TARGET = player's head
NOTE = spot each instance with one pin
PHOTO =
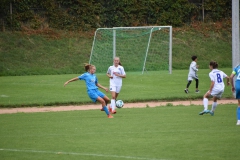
(116, 61)
(213, 65)
(194, 58)
(90, 68)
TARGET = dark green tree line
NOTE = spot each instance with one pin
(87, 14)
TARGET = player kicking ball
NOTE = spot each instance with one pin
(92, 87)
(216, 88)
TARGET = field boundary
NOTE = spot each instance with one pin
(98, 106)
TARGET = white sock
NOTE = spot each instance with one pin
(214, 106)
(205, 103)
(113, 104)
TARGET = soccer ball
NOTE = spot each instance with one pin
(119, 104)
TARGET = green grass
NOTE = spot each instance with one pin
(169, 133)
(45, 90)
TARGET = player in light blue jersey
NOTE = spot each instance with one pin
(236, 89)
(92, 87)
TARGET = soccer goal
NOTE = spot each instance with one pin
(139, 48)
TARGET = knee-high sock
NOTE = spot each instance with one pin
(113, 104)
(205, 103)
(106, 110)
(214, 106)
(197, 82)
(238, 113)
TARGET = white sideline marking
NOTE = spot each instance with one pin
(81, 154)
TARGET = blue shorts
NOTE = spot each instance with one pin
(237, 89)
(94, 94)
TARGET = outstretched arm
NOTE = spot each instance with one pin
(71, 80)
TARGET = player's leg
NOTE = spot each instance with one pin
(197, 83)
(238, 113)
(97, 95)
(237, 89)
(113, 99)
(216, 95)
(214, 105)
(116, 93)
(188, 84)
(205, 103)
(104, 105)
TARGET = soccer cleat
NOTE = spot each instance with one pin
(102, 109)
(204, 112)
(110, 116)
(197, 91)
(212, 113)
(186, 91)
(113, 112)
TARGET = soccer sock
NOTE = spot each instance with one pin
(238, 113)
(205, 103)
(106, 110)
(214, 106)
(113, 104)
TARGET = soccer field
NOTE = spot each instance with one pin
(48, 90)
(160, 133)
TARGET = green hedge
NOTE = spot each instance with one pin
(88, 14)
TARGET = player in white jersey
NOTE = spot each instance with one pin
(193, 68)
(216, 88)
(115, 73)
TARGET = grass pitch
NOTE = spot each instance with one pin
(160, 133)
(48, 90)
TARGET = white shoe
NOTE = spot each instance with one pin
(238, 123)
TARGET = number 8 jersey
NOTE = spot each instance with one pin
(217, 76)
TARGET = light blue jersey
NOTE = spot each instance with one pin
(236, 71)
(90, 80)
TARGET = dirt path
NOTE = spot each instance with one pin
(98, 106)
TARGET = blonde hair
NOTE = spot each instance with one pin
(87, 66)
(119, 60)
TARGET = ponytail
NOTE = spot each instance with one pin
(87, 66)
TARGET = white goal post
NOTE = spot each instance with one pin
(139, 48)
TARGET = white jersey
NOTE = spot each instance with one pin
(217, 76)
(116, 81)
(193, 69)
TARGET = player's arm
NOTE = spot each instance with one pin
(211, 86)
(228, 82)
(100, 86)
(231, 80)
(71, 80)
(109, 76)
(119, 75)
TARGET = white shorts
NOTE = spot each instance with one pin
(217, 94)
(192, 77)
(116, 89)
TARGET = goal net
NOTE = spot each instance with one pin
(139, 48)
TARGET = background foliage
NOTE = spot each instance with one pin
(87, 14)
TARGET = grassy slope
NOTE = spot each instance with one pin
(23, 54)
